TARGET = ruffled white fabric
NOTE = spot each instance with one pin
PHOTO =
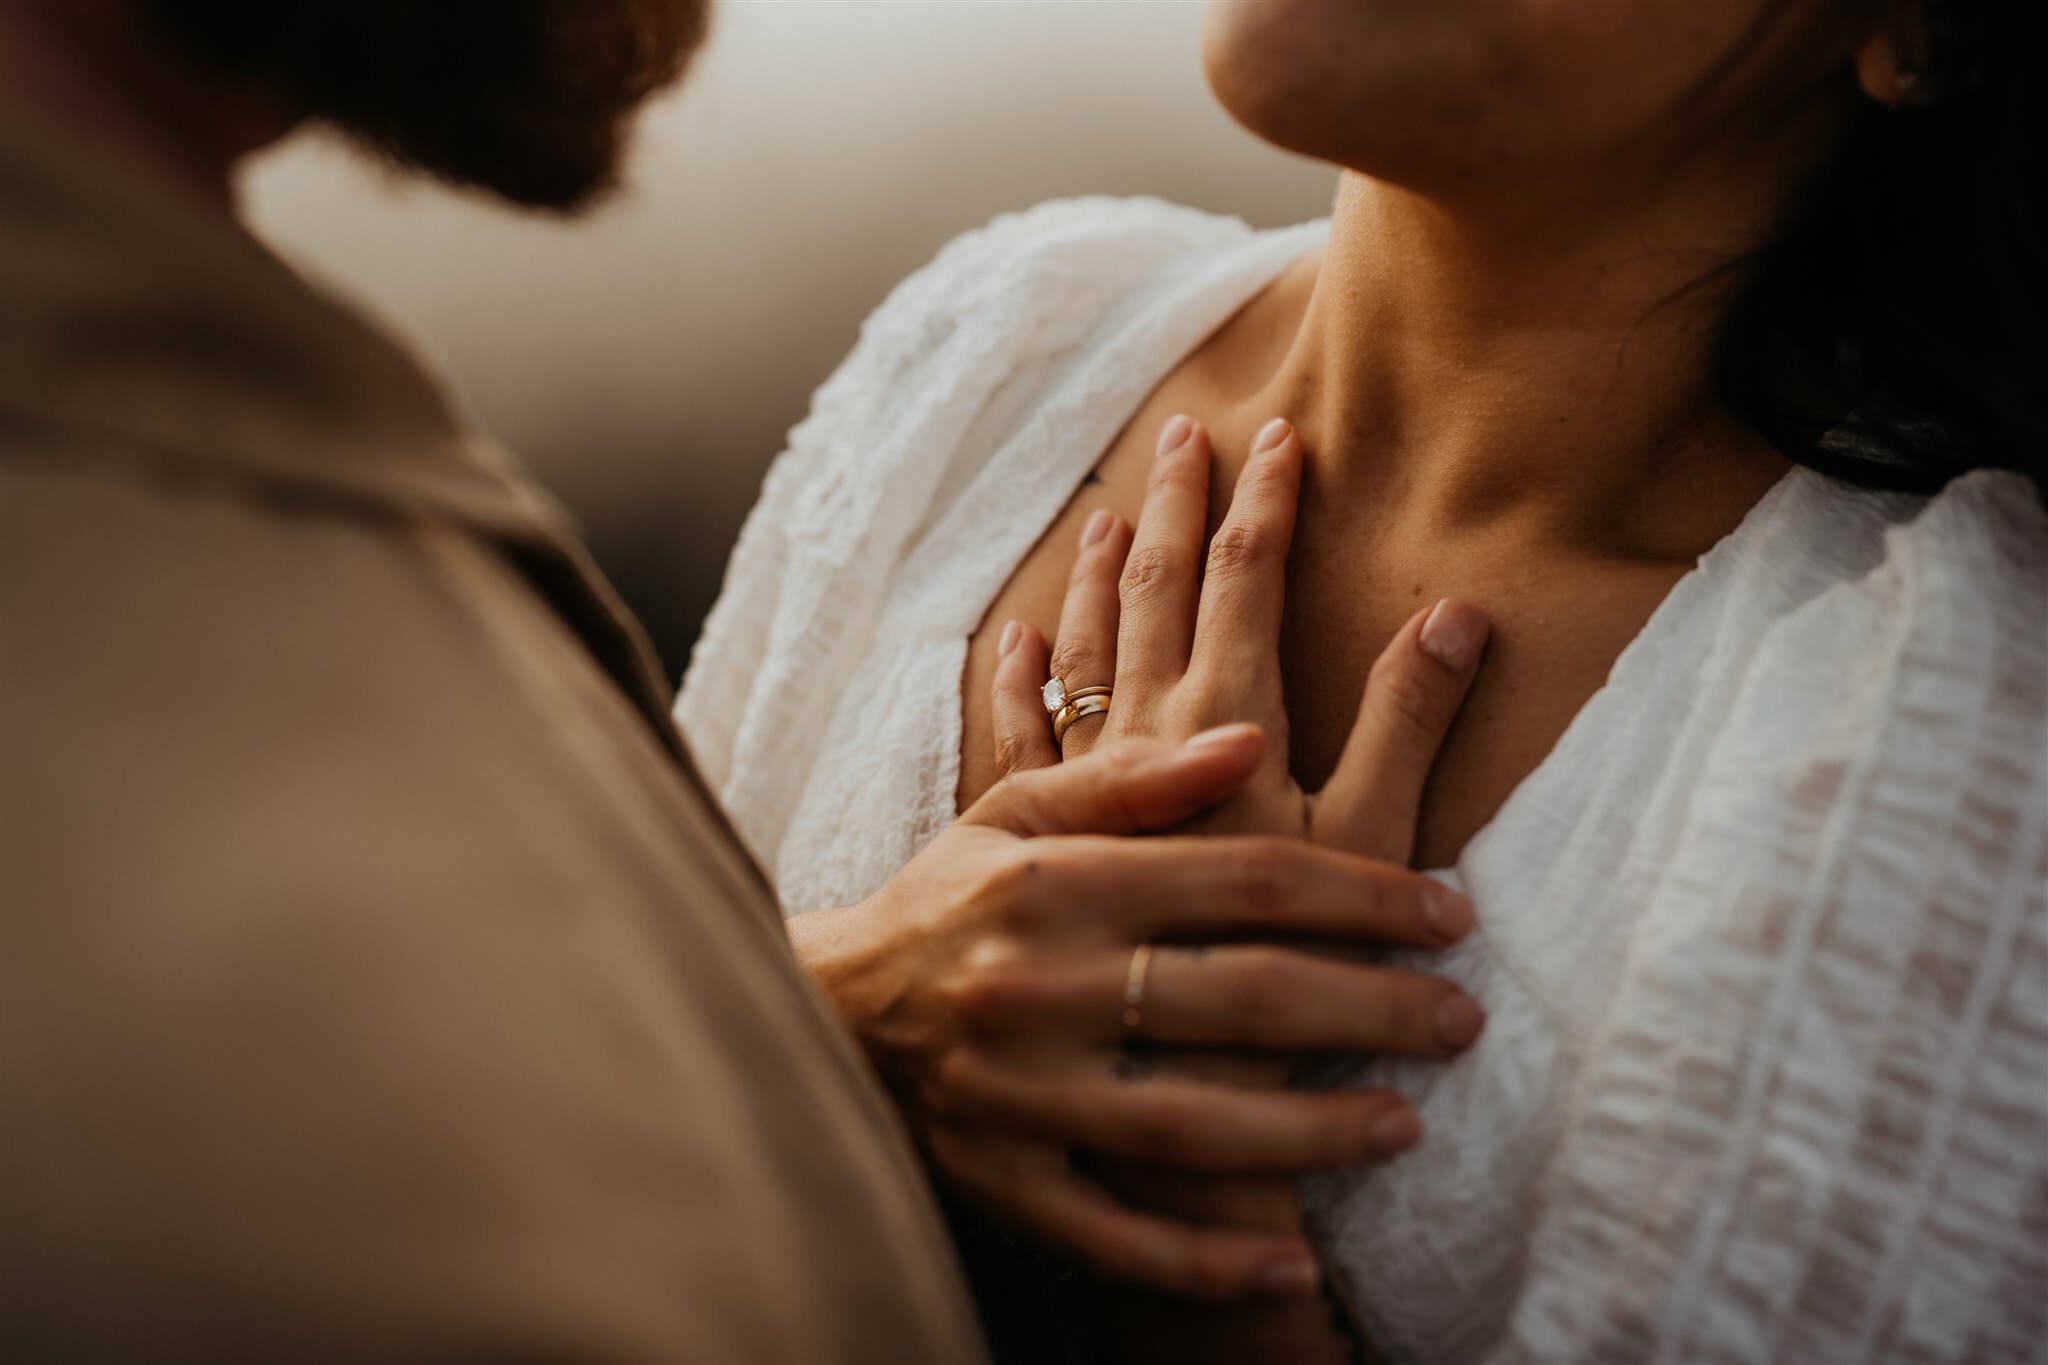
(1765, 939)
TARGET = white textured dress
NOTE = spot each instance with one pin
(1764, 941)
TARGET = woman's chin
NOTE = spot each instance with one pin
(1325, 96)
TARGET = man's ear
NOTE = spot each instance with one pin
(1895, 65)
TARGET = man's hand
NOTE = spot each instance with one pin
(987, 982)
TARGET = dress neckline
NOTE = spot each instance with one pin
(1277, 251)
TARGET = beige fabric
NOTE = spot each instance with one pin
(376, 978)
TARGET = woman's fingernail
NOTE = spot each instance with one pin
(1448, 914)
(1222, 736)
(1459, 1021)
(1454, 634)
(1176, 434)
(1276, 431)
(1396, 1132)
(1296, 1274)
(1012, 633)
(1096, 529)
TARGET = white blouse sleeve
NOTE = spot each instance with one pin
(900, 338)
(1816, 1126)
(887, 442)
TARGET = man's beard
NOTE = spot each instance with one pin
(531, 99)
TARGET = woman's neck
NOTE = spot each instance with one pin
(1543, 367)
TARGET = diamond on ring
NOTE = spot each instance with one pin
(1055, 694)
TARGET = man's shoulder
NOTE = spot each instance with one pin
(226, 710)
(343, 893)
(198, 661)
(186, 572)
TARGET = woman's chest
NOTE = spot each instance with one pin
(1558, 623)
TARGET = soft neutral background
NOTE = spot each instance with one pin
(646, 362)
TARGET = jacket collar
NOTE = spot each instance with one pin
(133, 320)
(136, 329)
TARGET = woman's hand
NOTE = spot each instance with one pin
(1189, 637)
(988, 983)
(1184, 649)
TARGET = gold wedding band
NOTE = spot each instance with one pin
(1075, 711)
(1134, 987)
(1066, 707)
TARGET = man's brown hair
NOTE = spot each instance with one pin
(530, 99)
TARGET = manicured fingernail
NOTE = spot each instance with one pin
(1223, 736)
(1176, 434)
(1448, 914)
(1454, 634)
(1396, 1132)
(1276, 431)
(1097, 528)
(1458, 1021)
(1295, 1274)
(1012, 634)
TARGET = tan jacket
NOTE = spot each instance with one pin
(377, 979)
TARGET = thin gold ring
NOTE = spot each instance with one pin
(1134, 987)
(1075, 711)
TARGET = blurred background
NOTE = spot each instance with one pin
(645, 363)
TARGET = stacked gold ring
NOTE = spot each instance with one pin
(1076, 710)
(1066, 707)
(1135, 977)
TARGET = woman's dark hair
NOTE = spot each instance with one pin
(1897, 336)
